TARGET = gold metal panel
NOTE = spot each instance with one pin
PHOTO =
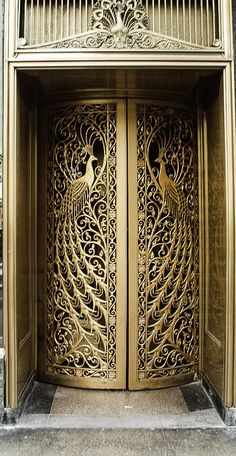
(86, 246)
(215, 245)
(163, 246)
(25, 241)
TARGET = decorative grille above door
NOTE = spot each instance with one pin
(110, 24)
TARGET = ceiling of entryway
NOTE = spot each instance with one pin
(173, 84)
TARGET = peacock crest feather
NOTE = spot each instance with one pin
(129, 15)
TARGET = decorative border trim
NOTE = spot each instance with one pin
(104, 40)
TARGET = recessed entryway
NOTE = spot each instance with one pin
(190, 108)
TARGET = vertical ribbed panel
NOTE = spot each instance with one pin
(193, 21)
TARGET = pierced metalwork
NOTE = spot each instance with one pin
(119, 19)
(111, 24)
(82, 240)
(81, 254)
(167, 243)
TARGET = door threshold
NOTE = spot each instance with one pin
(179, 407)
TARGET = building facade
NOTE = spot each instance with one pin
(119, 117)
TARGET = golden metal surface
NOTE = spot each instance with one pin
(215, 246)
(209, 59)
(83, 276)
(82, 247)
(164, 301)
(20, 257)
(10, 303)
(162, 24)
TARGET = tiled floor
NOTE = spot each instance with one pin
(184, 407)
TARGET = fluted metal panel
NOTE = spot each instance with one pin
(42, 22)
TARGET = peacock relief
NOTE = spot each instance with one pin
(79, 250)
(167, 242)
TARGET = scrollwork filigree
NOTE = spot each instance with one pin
(81, 282)
(136, 39)
(167, 242)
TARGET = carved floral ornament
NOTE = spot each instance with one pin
(118, 24)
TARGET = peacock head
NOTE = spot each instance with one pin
(161, 155)
(89, 150)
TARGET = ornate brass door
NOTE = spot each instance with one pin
(89, 163)
(163, 246)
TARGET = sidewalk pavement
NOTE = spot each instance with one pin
(16, 441)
